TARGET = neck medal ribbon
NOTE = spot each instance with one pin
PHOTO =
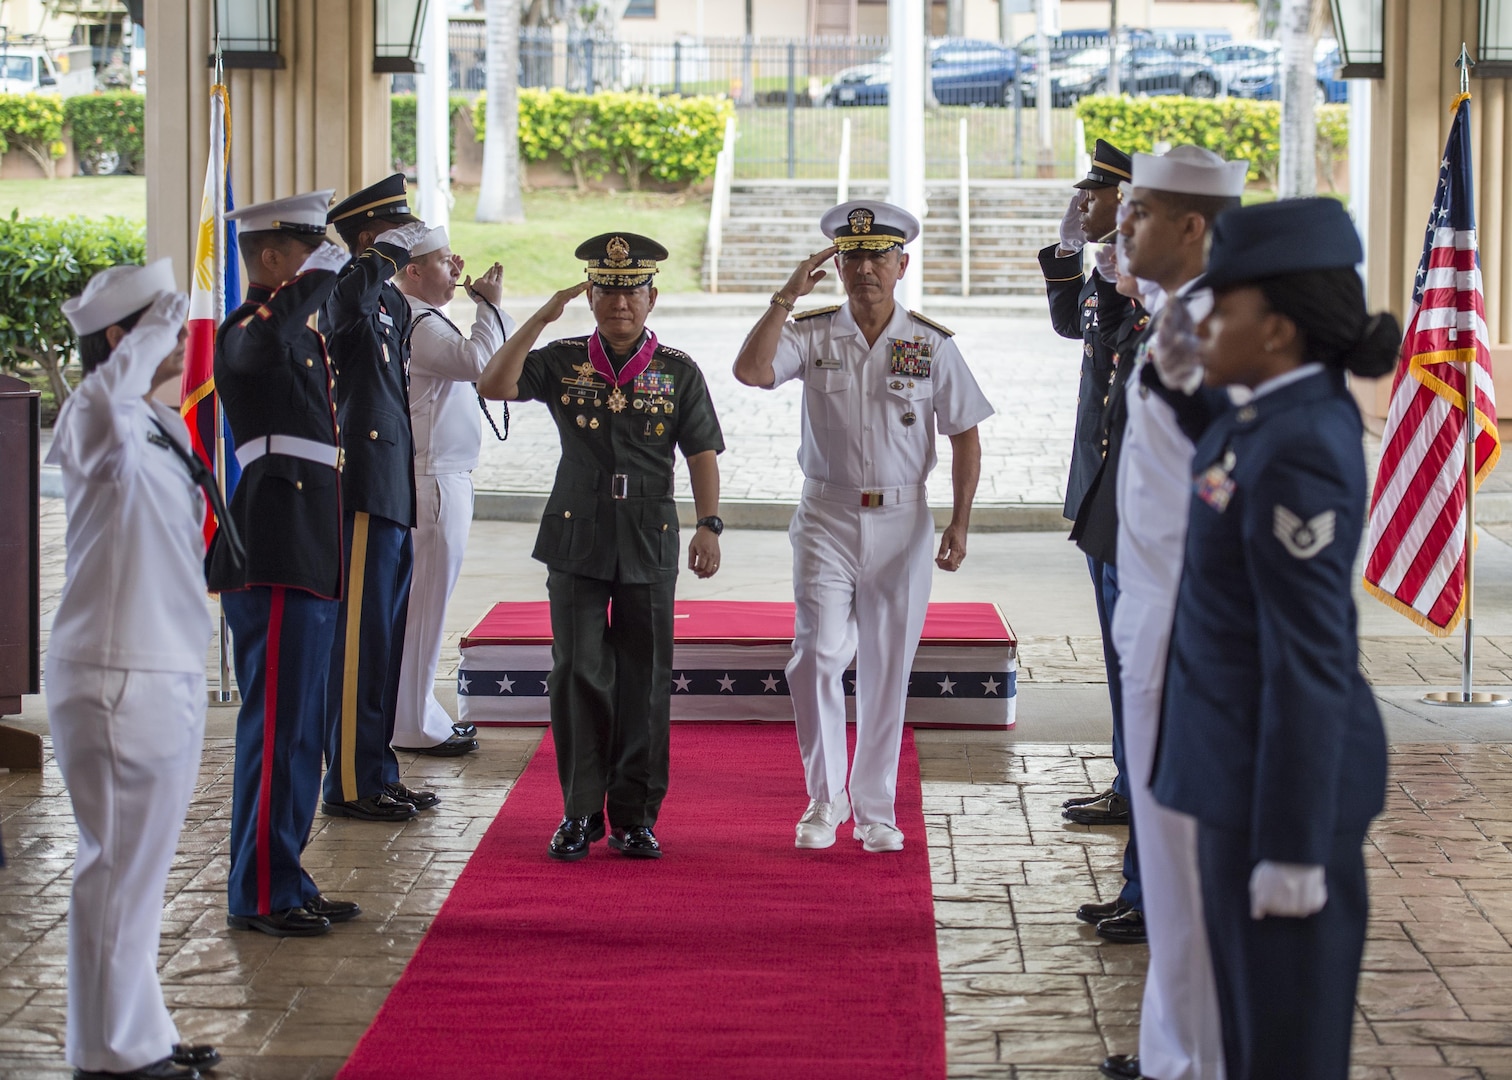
(638, 362)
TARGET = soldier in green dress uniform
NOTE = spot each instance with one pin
(622, 401)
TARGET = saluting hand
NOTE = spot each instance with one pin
(552, 309)
(489, 287)
(808, 274)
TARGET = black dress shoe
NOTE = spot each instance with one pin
(381, 807)
(1096, 913)
(1121, 1067)
(420, 800)
(1085, 800)
(290, 922)
(572, 838)
(203, 1058)
(166, 1069)
(331, 910)
(454, 746)
(638, 841)
(467, 731)
(1110, 808)
(1125, 929)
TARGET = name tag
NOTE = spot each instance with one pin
(385, 318)
(825, 363)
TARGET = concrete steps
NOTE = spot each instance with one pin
(774, 225)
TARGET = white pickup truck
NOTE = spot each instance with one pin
(30, 68)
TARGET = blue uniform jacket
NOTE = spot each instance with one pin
(1268, 727)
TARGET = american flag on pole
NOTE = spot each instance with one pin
(1415, 546)
(214, 292)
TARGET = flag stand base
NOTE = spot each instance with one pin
(1477, 700)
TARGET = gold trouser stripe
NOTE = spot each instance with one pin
(356, 576)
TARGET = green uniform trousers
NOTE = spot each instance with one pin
(611, 690)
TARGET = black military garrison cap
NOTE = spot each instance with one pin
(1110, 167)
(621, 260)
(386, 200)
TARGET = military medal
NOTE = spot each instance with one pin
(912, 358)
(1215, 487)
(909, 419)
(593, 424)
(566, 399)
(638, 403)
(616, 400)
(582, 421)
(661, 429)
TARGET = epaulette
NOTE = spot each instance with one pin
(676, 354)
(817, 311)
(947, 331)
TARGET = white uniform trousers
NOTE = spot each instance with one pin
(861, 579)
(128, 744)
(443, 516)
(1180, 1037)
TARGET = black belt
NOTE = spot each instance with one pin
(623, 485)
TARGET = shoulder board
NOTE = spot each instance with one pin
(947, 331)
(817, 311)
(676, 354)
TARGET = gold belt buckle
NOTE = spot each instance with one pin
(871, 498)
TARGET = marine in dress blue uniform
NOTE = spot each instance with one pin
(277, 387)
(1270, 736)
(366, 323)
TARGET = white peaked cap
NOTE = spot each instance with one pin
(298, 215)
(1190, 170)
(113, 294)
(434, 240)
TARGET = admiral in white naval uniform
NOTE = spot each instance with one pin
(444, 412)
(126, 664)
(879, 381)
(1164, 234)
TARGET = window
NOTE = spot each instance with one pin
(641, 9)
(16, 67)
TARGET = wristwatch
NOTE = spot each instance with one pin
(712, 523)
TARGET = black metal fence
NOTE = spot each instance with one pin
(793, 97)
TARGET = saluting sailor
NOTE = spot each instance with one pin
(366, 324)
(444, 413)
(879, 381)
(622, 402)
(126, 665)
(278, 389)
(1271, 737)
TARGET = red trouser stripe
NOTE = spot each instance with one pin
(270, 732)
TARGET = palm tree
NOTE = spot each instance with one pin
(499, 196)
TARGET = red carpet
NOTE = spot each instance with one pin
(735, 956)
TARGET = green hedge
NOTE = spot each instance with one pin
(107, 131)
(33, 123)
(671, 140)
(402, 128)
(46, 261)
(1234, 127)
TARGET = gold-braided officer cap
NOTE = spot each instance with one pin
(868, 225)
(621, 260)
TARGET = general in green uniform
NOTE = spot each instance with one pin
(622, 402)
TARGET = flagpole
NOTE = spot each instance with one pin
(1467, 694)
(224, 694)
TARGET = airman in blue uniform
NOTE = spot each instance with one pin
(1270, 736)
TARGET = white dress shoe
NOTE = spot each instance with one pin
(879, 837)
(816, 828)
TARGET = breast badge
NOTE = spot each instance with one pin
(1215, 487)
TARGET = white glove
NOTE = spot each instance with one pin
(404, 236)
(1106, 261)
(326, 257)
(1177, 360)
(1070, 227)
(156, 333)
(1287, 890)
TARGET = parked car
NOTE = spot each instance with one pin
(30, 68)
(962, 71)
(1233, 59)
(1262, 80)
(1142, 70)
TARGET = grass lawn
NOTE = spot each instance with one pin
(90, 196)
(537, 255)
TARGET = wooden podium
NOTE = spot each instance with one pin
(20, 568)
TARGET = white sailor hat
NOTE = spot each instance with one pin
(303, 216)
(434, 240)
(113, 294)
(1190, 170)
(868, 225)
